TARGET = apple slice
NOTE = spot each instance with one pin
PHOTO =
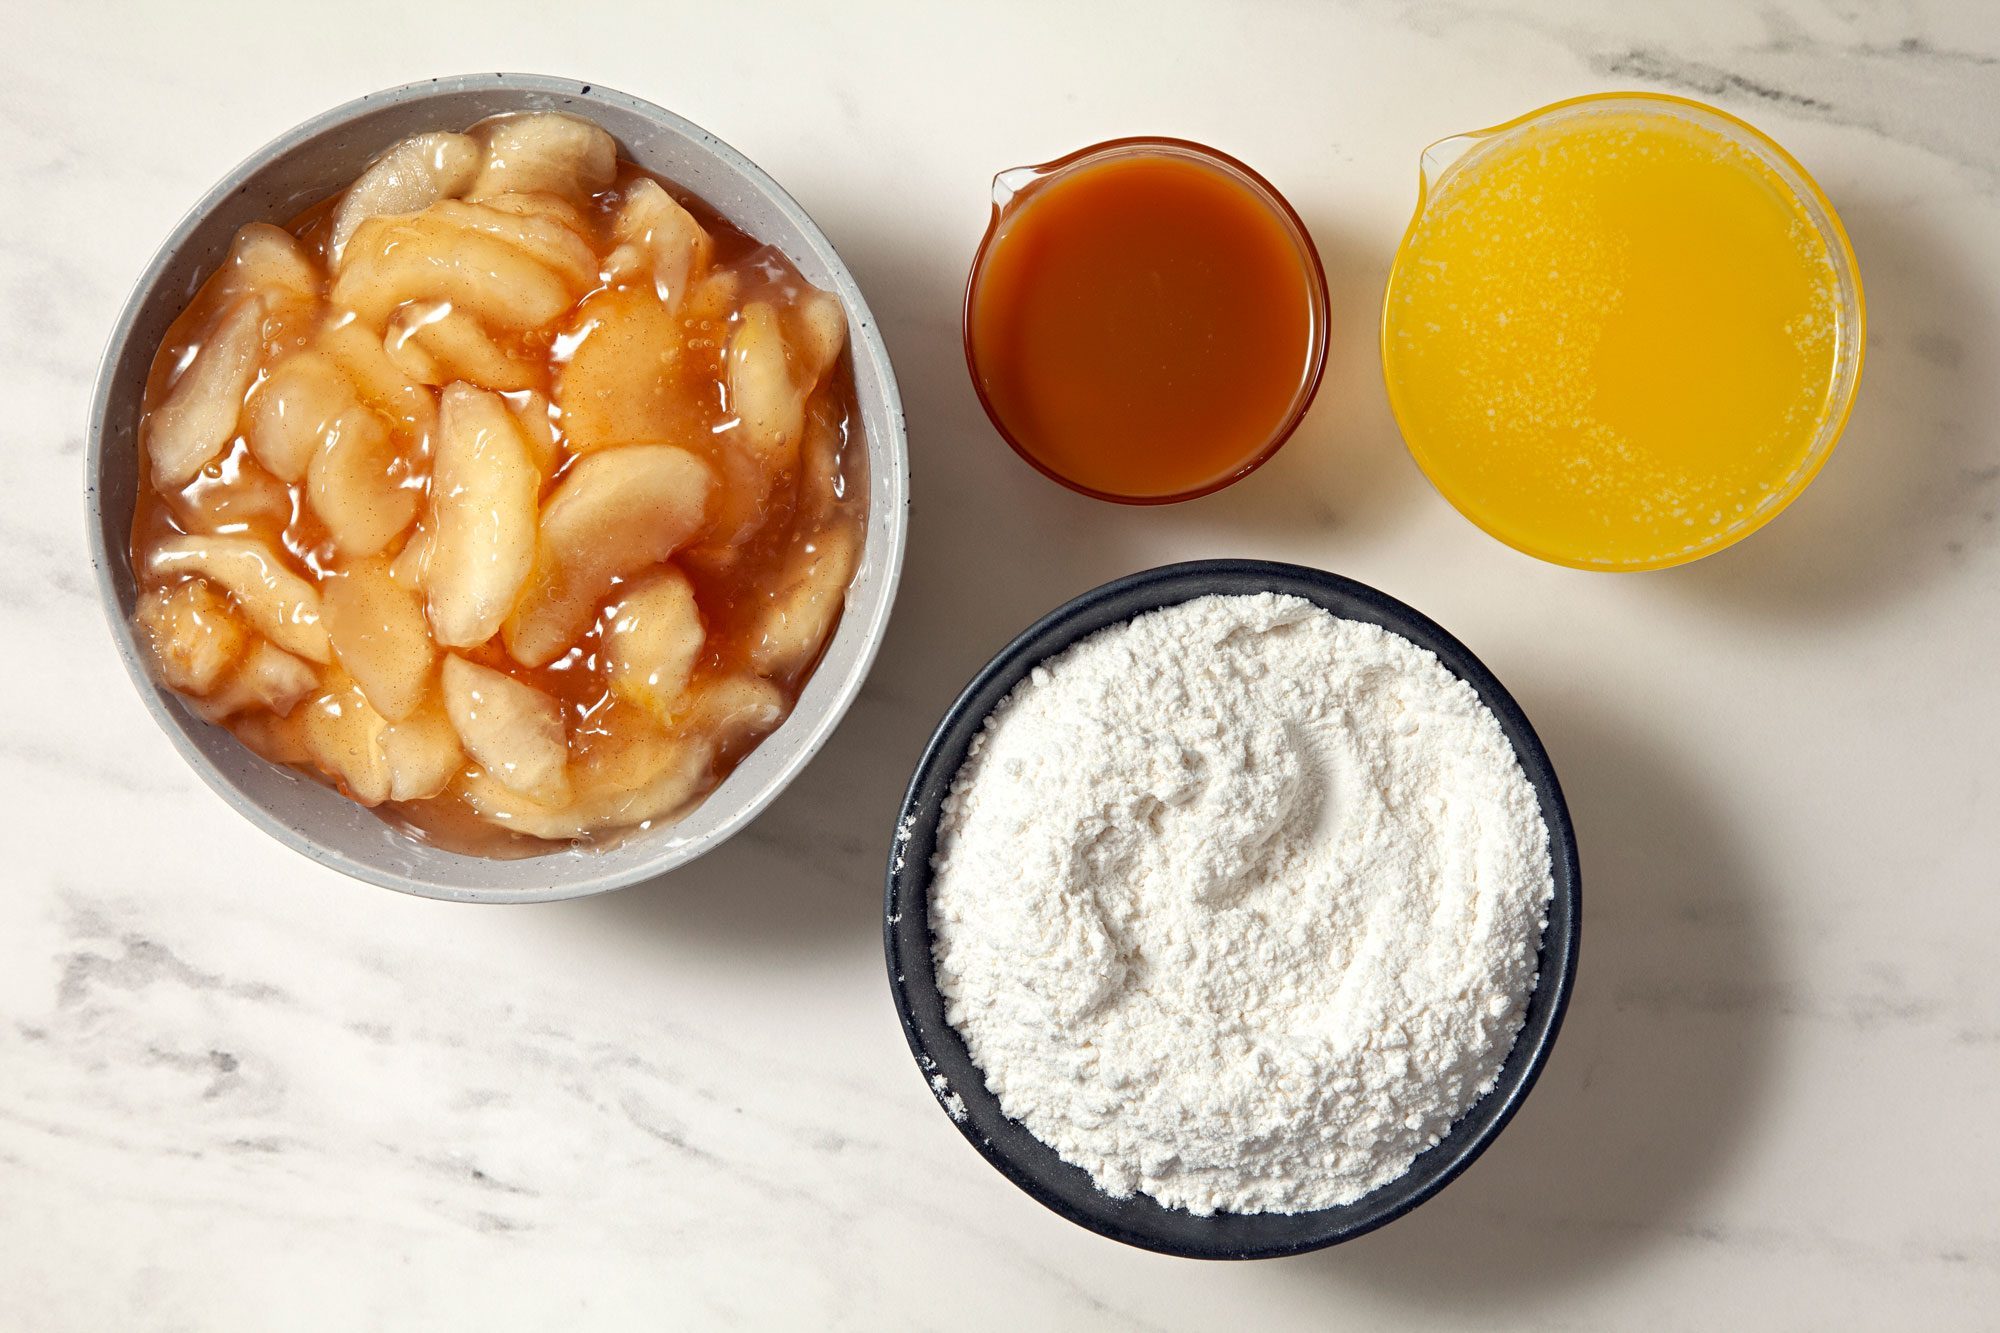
(357, 351)
(194, 635)
(408, 355)
(423, 753)
(538, 428)
(484, 488)
(419, 258)
(795, 622)
(292, 411)
(268, 678)
(343, 735)
(380, 638)
(549, 242)
(617, 387)
(408, 566)
(358, 486)
(411, 176)
(822, 489)
(821, 333)
(268, 261)
(768, 399)
(434, 343)
(278, 737)
(549, 207)
(283, 606)
(772, 372)
(544, 152)
(652, 639)
(648, 778)
(201, 411)
(614, 513)
(730, 709)
(709, 302)
(743, 503)
(513, 730)
(233, 495)
(658, 237)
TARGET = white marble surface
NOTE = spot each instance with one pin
(238, 1092)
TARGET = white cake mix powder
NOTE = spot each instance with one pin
(1238, 904)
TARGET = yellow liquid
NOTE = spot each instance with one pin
(1612, 337)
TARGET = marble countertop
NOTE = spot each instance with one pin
(240, 1092)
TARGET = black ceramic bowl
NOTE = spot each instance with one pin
(1032, 1165)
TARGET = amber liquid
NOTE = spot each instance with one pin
(732, 583)
(1144, 327)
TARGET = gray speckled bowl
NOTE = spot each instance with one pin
(308, 164)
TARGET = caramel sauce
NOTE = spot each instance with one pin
(1144, 325)
(735, 575)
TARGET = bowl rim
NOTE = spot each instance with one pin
(940, 1052)
(893, 452)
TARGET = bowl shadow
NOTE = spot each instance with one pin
(1914, 483)
(1662, 1069)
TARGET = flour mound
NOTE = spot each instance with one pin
(1238, 904)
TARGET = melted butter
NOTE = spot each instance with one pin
(1612, 338)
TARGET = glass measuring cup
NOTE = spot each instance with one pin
(1653, 208)
(1145, 319)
